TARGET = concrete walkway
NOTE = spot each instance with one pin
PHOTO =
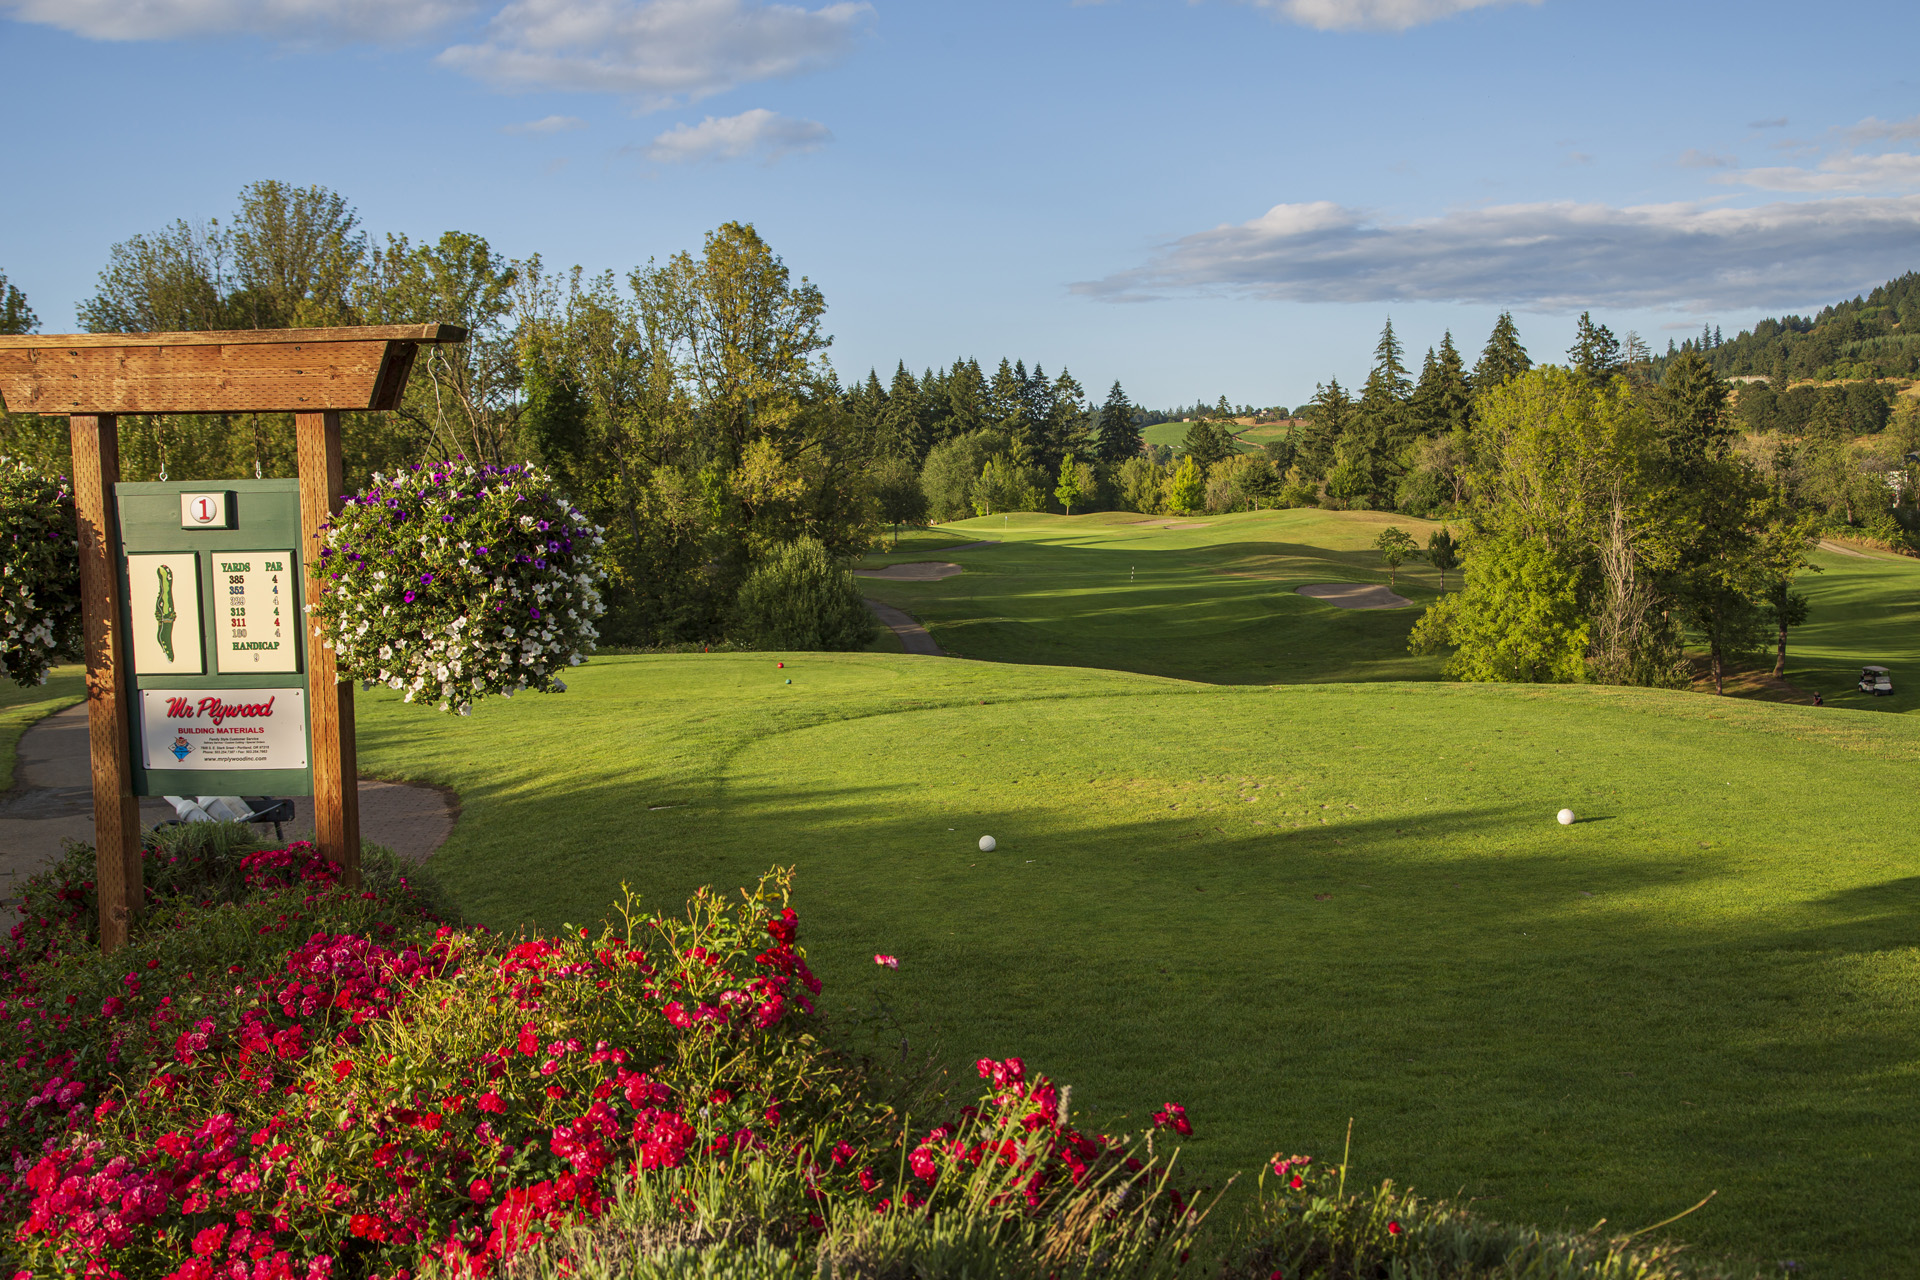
(913, 636)
(52, 802)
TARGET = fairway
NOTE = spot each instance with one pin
(1865, 609)
(1209, 598)
(1289, 906)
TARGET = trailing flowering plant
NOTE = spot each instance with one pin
(39, 572)
(452, 582)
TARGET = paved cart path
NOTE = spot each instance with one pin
(913, 636)
(52, 802)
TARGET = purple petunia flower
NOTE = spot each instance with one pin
(534, 613)
(408, 597)
(425, 578)
(539, 564)
(481, 550)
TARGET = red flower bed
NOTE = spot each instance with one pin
(353, 1100)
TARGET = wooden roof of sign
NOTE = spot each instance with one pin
(217, 371)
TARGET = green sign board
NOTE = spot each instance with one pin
(212, 579)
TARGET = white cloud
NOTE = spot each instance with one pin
(1548, 257)
(326, 21)
(660, 50)
(1846, 168)
(544, 125)
(1896, 171)
(1373, 15)
(758, 132)
(1873, 128)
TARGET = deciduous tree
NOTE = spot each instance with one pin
(1187, 488)
(1396, 546)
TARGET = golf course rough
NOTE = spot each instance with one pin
(1294, 905)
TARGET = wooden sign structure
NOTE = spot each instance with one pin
(91, 378)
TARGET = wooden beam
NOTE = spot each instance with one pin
(116, 813)
(237, 337)
(336, 774)
(361, 367)
(195, 379)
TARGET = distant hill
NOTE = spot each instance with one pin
(1876, 336)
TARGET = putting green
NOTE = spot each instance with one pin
(1289, 906)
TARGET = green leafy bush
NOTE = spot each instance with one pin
(39, 572)
(801, 598)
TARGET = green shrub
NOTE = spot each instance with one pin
(801, 598)
(39, 573)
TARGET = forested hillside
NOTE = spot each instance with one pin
(1876, 336)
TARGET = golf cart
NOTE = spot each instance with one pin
(1876, 681)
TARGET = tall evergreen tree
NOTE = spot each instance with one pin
(1069, 430)
(17, 317)
(1332, 414)
(1119, 434)
(967, 399)
(1007, 397)
(1595, 353)
(903, 431)
(1691, 410)
(1383, 424)
(1453, 401)
(1503, 357)
(1420, 406)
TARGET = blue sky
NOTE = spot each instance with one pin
(1197, 198)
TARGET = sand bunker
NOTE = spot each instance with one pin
(924, 571)
(1354, 595)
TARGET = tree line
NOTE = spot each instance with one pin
(689, 405)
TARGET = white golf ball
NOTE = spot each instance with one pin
(987, 844)
(1566, 817)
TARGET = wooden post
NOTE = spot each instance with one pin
(336, 775)
(116, 813)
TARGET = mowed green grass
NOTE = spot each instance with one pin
(1174, 435)
(21, 707)
(1288, 906)
(1210, 598)
(1865, 610)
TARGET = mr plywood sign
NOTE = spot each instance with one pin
(213, 585)
(233, 729)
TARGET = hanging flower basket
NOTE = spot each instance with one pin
(39, 573)
(453, 582)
